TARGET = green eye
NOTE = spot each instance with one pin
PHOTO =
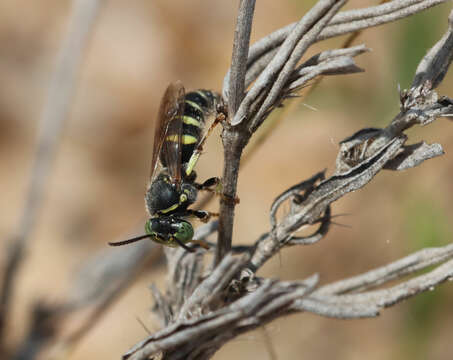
(184, 232)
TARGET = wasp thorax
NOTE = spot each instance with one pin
(161, 195)
(164, 197)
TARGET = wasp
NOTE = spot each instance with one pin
(178, 142)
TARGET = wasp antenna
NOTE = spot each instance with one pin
(143, 325)
(129, 241)
(341, 225)
(341, 214)
(201, 243)
(323, 218)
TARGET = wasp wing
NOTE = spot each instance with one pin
(168, 133)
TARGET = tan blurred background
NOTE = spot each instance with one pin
(95, 191)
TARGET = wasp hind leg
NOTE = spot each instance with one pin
(196, 154)
(201, 243)
(208, 184)
(203, 216)
(184, 246)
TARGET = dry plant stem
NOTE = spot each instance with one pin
(234, 141)
(273, 299)
(383, 298)
(394, 294)
(347, 43)
(263, 52)
(220, 278)
(291, 51)
(215, 312)
(344, 22)
(420, 105)
(331, 62)
(402, 267)
(289, 54)
(435, 63)
(209, 331)
(240, 54)
(236, 137)
(51, 123)
(354, 20)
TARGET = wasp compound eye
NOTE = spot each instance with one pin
(184, 231)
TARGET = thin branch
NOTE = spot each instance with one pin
(61, 91)
(305, 35)
(241, 43)
(370, 17)
(235, 137)
(364, 154)
(230, 299)
(234, 91)
(342, 23)
(272, 87)
(354, 304)
(392, 295)
(402, 267)
(212, 286)
(272, 299)
(233, 144)
(436, 62)
(182, 339)
(290, 53)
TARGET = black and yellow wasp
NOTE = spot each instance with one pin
(178, 142)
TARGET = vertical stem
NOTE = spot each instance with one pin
(240, 54)
(234, 141)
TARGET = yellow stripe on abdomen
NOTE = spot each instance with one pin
(186, 139)
(189, 120)
(194, 105)
(202, 94)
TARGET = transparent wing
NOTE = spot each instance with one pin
(168, 133)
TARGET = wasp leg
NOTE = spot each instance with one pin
(196, 154)
(201, 243)
(203, 216)
(214, 181)
(180, 243)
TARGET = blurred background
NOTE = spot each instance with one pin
(96, 187)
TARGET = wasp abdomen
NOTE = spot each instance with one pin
(197, 105)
